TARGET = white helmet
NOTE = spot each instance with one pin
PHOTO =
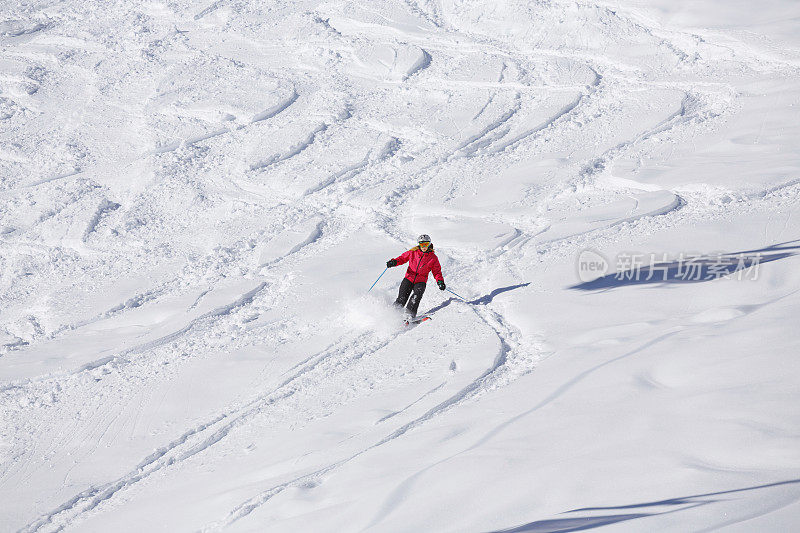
(423, 238)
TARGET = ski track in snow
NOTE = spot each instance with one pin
(291, 152)
(189, 444)
(274, 110)
(267, 114)
(207, 434)
(511, 362)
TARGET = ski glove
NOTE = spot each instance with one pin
(441, 284)
(391, 263)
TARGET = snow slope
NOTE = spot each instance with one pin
(195, 198)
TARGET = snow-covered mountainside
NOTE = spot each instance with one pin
(195, 198)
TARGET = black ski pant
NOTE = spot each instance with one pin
(414, 290)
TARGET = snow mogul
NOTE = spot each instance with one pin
(421, 261)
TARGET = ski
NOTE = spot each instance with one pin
(418, 320)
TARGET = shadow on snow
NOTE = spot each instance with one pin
(564, 525)
(483, 300)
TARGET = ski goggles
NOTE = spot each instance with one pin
(424, 244)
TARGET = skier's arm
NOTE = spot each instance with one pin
(436, 268)
(403, 258)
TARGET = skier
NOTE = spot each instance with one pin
(421, 260)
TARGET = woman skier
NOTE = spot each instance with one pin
(421, 260)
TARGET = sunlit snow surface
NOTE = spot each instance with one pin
(195, 198)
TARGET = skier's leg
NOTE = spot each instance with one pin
(402, 294)
(416, 296)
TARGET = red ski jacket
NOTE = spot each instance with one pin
(420, 264)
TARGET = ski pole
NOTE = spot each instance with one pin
(379, 277)
(448, 290)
